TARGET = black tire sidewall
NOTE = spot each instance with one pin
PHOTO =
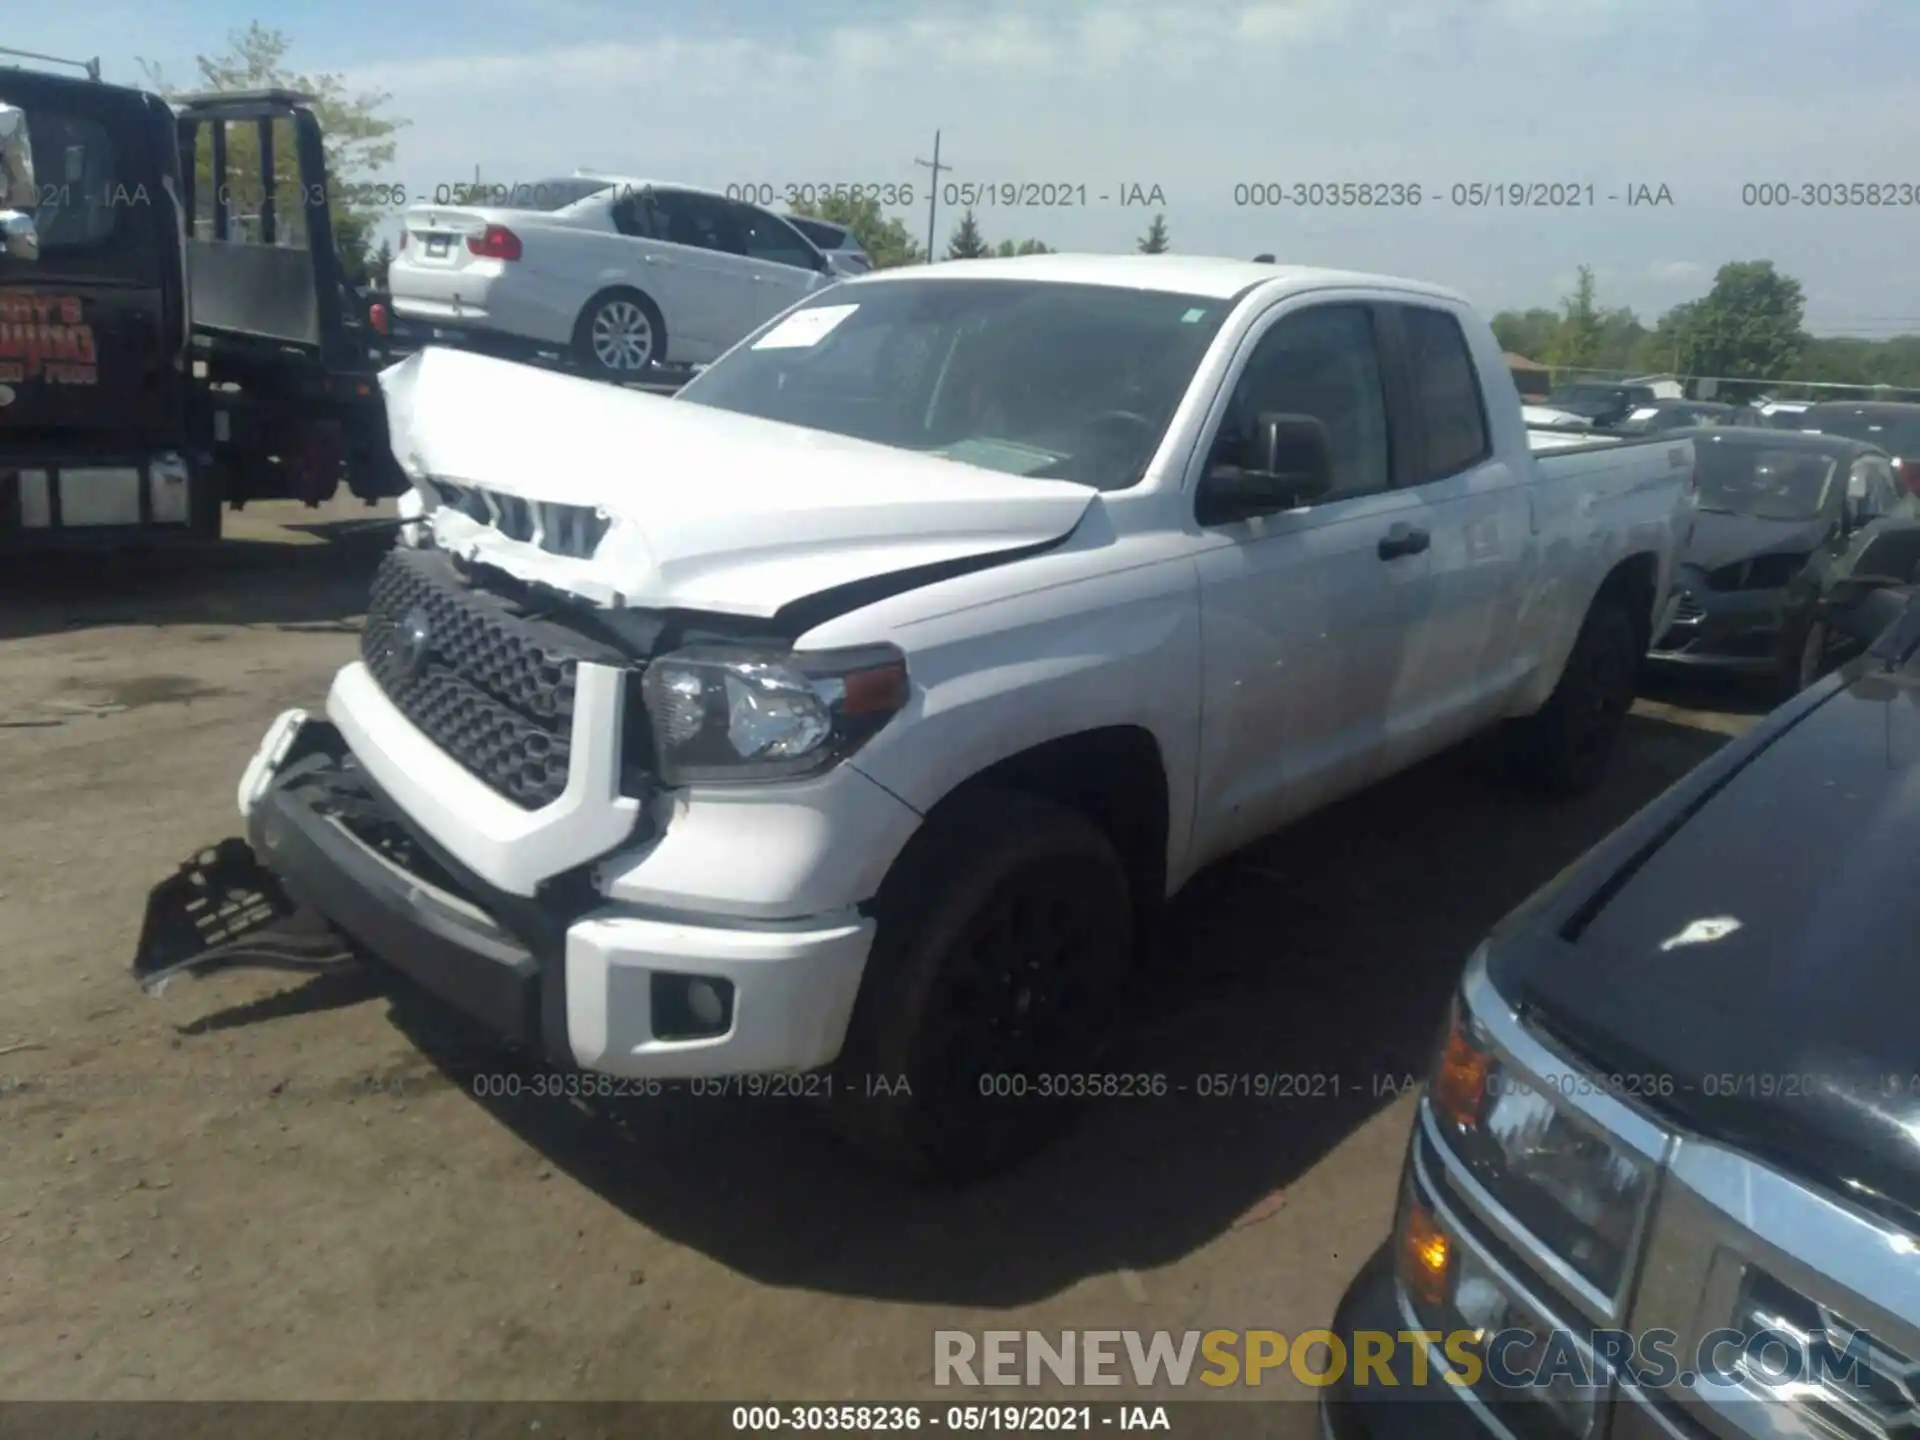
(951, 880)
(1548, 744)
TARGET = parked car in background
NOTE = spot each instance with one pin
(1603, 403)
(1784, 414)
(1539, 417)
(1894, 428)
(1674, 1102)
(1664, 415)
(1030, 588)
(835, 241)
(618, 274)
(1768, 503)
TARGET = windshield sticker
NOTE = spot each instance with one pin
(1193, 317)
(804, 329)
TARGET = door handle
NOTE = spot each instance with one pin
(1402, 540)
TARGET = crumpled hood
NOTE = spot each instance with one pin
(1722, 539)
(702, 509)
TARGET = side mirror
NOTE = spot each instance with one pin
(1286, 461)
(19, 238)
(17, 188)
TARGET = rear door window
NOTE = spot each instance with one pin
(1446, 392)
(770, 238)
(699, 221)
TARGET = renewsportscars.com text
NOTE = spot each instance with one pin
(1509, 1359)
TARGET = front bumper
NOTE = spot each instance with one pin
(1735, 630)
(586, 982)
(1405, 1411)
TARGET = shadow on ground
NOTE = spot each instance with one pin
(239, 581)
(1329, 950)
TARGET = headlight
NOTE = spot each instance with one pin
(1454, 1290)
(1575, 1191)
(722, 715)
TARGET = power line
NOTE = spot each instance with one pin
(933, 191)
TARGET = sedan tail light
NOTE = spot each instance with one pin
(1907, 471)
(496, 242)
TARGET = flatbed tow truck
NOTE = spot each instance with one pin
(176, 337)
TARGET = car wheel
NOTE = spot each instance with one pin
(1811, 661)
(619, 336)
(1564, 747)
(1002, 933)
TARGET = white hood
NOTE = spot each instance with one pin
(709, 510)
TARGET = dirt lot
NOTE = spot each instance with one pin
(269, 1186)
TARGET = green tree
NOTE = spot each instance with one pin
(884, 237)
(1025, 247)
(379, 263)
(1669, 345)
(1527, 332)
(1576, 340)
(1748, 327)
(1621, 338)
(359, 139)
(1154, 242)
(966, 242)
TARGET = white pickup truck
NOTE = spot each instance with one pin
(845, 718)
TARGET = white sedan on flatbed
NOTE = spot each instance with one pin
(618, 274)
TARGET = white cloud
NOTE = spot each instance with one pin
(1675, 272)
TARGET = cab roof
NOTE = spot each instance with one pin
(1205, 275)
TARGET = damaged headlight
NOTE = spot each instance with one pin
(722, 715)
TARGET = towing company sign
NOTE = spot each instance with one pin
(45, 337)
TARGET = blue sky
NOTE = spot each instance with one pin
(1196, 96)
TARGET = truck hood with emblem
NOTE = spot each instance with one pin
(1751, 936)
(630, 499)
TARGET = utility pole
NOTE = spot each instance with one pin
(933, 191)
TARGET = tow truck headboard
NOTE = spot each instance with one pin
(261, 260)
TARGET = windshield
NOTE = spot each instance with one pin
(1897, 436)
(1596, 399)
(1067, 382)
(1764, 484)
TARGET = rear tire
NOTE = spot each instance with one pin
(1804, 658)
(1002, 933)
(1565, 746)
(619, 336)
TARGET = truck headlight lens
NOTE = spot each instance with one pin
(727, 716)
(1573, 1189)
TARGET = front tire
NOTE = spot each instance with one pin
(619, 336)
(1002, 932)
(1564, 747)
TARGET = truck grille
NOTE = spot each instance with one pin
(489, 687)
(1871, 1394)
(574, 531)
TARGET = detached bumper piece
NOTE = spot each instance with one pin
(341, 848)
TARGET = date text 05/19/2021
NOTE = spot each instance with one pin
(1007, 1419)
